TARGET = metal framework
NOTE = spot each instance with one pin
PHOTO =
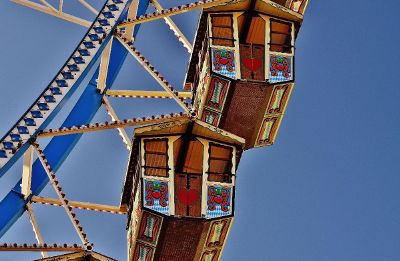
(99, 43)
(47, 8)
(109, 39)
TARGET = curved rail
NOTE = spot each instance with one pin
(50, 101)
(13, 205)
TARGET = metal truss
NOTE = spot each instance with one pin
(47, 8)
(172, 11)
(109, 39)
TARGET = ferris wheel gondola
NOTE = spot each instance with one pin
(240, 76)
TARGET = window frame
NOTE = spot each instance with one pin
(290, 46)
(231, 173)
(145, 153)
(212, 26)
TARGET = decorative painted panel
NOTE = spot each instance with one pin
(156, 196)
(223, 62)
(203, 85)
(252, 62)
(150, 228)
(280, 69)
(211, 117)
(217, 93)
(134, 223)
(268, 130)
(217, 235)
(143, 252)
(278, 99)
(210, 255)
(218, 201)
(130, 238)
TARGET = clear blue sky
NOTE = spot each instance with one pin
(328, 190)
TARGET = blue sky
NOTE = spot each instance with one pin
(328, 190)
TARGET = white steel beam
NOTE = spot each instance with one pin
(172, 11)
(41, 247)
(47, 10)
(145, 94)
(103, 71)
(61, 195)
(132, 12)
(153, 72)
(113, 124)
(60, 6)
(48, 5)
(80, 205)
(35, 227)
(172, 26)
(27, 173)
(88, 6)
(114, 117)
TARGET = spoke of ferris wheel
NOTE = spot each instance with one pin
(114, 117)
(146, 94)
(80, 205)
(105, 55)
(154, 73)
(88, 6)
(172, 26)
(41, 247)
(103, 71)
(27, 173)
(172, 11)
(132, 13)
(61, 195)
(35, 227)
(158, 119)
(54, 12)
(48, 5)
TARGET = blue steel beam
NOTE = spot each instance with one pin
(13, 205)
(50, 101)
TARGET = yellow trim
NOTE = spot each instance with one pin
(164, 123)
(220, 131)
(171, 171)
(205, 177)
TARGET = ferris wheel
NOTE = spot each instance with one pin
(98, 58)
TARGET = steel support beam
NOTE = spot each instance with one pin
(153, 72)
(51, 11)
(114, 117)
(27, 173)
(146, 94)
(172, 26)
(61, 195)
(172, 11)
(41, 247)
(35, 227)
(80, 205)
(103, 72)
(112, 125)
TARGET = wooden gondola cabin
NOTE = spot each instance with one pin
(179, 189)
(242, 68)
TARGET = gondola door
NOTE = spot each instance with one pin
(188, 178)
(188, 195)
